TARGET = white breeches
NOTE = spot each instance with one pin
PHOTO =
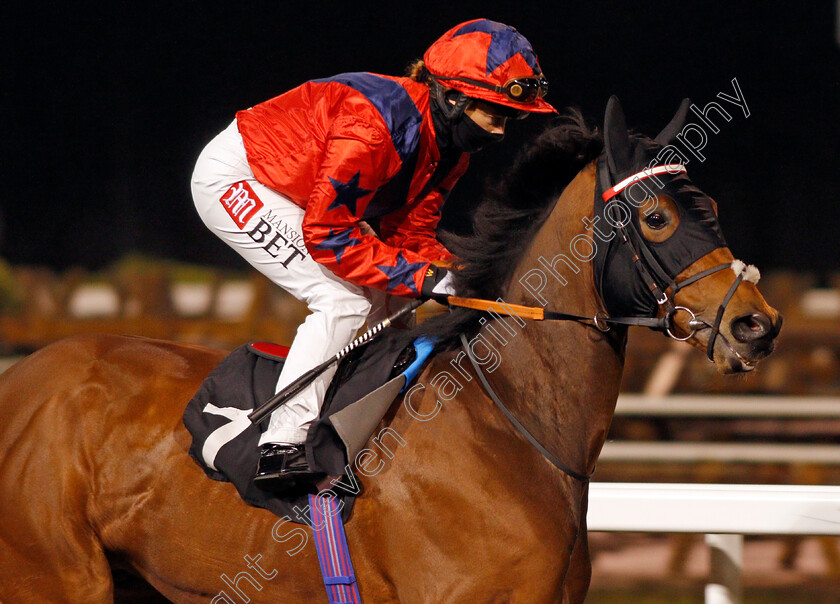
(265, 228)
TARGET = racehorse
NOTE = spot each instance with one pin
(462, 508)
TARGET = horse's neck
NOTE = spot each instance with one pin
(555, 238)
(561, 378)
(468, 484)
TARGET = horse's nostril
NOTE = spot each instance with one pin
(751, 327)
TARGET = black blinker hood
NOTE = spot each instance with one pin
(617, 279)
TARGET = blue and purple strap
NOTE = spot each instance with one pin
(333, 554)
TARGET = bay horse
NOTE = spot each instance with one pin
(96, 476)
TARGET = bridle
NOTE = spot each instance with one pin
(662, 287)
(647, 266)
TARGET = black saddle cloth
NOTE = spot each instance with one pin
(225, 443)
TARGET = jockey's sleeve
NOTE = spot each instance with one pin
(351, 171)
(414, 226)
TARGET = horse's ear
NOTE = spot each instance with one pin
(616, 139)
(669, 132)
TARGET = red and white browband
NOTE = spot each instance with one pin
(646, 173)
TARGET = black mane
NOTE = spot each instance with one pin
(510, 216)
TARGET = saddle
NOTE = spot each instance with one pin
(367, 381)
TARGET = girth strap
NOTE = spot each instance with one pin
(333, 553)
(516, 423)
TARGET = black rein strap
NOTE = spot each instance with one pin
(646, 266)
(516, 423)
(602, 322)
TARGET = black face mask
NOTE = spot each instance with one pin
(698, 233)
(469, 137)
(443, 131)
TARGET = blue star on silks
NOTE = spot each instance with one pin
(347, 193)
(401, 274)
(337, 242)
(504, 43)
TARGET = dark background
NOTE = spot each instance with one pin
(105, 108)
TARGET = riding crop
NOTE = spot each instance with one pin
(307, 378)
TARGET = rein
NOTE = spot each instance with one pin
(602, 321)
(517, 424)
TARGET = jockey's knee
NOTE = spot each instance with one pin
(338, 305)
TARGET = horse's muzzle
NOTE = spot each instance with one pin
(758, 332)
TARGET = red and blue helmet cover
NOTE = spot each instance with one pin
(487, 51)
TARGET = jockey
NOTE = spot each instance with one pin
(334, 190)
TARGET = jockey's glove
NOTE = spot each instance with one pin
(437, 284)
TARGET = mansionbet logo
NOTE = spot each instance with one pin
(241, 203)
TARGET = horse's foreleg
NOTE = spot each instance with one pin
(580, 564)
(46, 568)
(49, 551)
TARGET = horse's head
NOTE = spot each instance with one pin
(664, 254)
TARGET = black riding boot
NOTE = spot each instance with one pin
(283, 470)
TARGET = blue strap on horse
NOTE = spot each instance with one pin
(328, 528)
(333, 553)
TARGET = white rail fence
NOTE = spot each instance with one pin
(723, 512)
(708, 406)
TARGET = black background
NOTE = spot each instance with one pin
(105, 108)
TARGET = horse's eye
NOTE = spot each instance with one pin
(656, 221)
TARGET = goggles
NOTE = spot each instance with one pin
(519, 90)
